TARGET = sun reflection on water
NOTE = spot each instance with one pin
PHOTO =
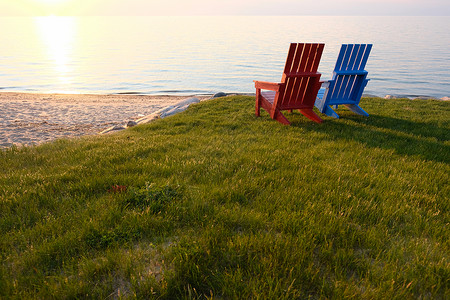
(58, 37)
(186, 54)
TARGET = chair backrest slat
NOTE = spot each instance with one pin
(290, 58)
(298, 81)
(302, 58)
(297, 51)
(308, 67)
(359, 55)
(352, 57)
(346, 51)
(367, 49)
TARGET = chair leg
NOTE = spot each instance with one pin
(258, 103)
(310, 114)
(356, 109)
(330, 112)
(257, 109)
(281, 118)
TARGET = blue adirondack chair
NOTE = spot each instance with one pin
(348, 82)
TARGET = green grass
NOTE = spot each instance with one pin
(217, 203)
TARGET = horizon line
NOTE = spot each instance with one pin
(221, 15)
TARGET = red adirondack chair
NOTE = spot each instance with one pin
(298, 88)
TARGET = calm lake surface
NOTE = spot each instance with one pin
(201, 55)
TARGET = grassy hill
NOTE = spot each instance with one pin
(217, 203)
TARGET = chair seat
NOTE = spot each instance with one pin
(269, 96)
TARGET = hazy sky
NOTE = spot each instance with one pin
(224, 7)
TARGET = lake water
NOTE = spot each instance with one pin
(202, 55)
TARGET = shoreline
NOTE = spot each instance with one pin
(34, 118)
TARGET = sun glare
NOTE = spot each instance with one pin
(57, 35)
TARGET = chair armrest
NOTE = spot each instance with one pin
(264, 85)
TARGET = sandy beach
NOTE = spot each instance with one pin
(30, 119)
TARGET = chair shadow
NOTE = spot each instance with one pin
(424, 139)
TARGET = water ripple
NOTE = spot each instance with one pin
(157, 55)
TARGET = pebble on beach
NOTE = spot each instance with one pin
(131, 124)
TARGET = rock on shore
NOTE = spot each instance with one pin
(418, 98)
(162, 113)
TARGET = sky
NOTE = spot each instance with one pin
(224, 7)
